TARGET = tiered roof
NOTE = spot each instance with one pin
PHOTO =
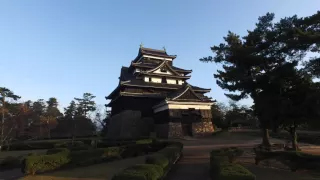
(176, 92)
(153, 52)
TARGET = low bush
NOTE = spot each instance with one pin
(113, 151)
(171, 152)
(158, 159)
(59, 157)
(157, 165)
(231, 171)
(68, 144)
(133, 150)
(144, 141)
(223, 168)
(232, 153)
(34, 164)
(30, 145)
(56, 150)
(140, 172)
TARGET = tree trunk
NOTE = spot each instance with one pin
(265, 138)
(2, 124)
(294, 137)
(73, 132)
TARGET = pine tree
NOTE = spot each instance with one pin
(5, 94)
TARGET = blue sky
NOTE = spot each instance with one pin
(65, 48)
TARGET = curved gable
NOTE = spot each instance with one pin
(166, 66)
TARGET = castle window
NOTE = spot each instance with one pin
(150, 79)
(163, 80)
(177, 82)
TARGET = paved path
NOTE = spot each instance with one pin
(12, 174)
(195, 163)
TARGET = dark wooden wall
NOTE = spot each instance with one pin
(144, 105)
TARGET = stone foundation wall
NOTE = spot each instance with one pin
(202, 128)
(175, 130)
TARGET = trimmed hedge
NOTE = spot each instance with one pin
(144, 141)
(57, 158)
(156, 167)
(223, 168)
(158, 159)
(56, 150)
(61, 157)
(34, 164)
(232, 153)
(231, 171)
(140, 172)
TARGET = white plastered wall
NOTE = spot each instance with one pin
(182, 106)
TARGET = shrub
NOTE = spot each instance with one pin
(134, 150)
(144, 141)
(231, 171)
(83, 156)
(31, 145)
(140, 172)
(33, 164)
(59, 157)
(56, 150)
(221, 166)
(68, 144)
(113, 151)
(232, 153)
(158, 159)
(171, 152)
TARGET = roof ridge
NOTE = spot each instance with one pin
(153, 49)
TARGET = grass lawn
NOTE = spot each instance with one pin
(95, 172)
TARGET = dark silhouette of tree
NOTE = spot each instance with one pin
(5, 95)
(85, 104)
(260, 64)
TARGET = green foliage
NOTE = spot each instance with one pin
(69, 144)
(158, 159)
(56, 158)
(56, 150)
(230, 171)
(32, 145)
(264, 65)
(232, 153)
(157, 165)
(113, 151)
(222, 168)
(140, 172)
(133, 150)
(34, 164)
(144, 141)
(85, 104)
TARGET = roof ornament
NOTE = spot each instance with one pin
(164, 48)
(141, 45)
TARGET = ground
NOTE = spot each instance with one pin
(193, 165)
